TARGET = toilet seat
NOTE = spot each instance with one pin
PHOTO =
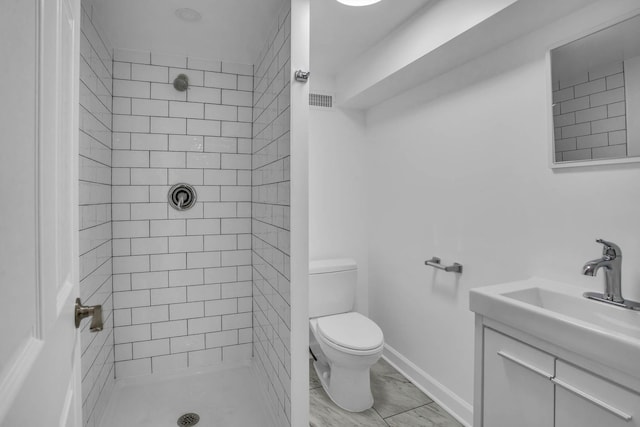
(351, 333)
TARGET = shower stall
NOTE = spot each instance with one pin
(186, 218)
(182, 191)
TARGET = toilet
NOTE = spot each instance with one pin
(344, 343)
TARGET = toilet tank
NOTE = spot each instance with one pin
(332, 286)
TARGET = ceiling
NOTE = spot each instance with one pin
(230, 30)
(340, 33)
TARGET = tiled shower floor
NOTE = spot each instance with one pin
(226, 397)
(397, 403)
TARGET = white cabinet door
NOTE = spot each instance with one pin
(586, 400)
(39, 355)
(517, 383)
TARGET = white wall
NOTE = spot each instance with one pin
(465, 177)
(337, 186)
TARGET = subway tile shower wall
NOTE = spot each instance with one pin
(270, 218)
(590, 115)
(95, 215)
(182, 279)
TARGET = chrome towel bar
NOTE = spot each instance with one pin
(435, 262)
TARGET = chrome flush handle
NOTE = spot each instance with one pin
(93, 311)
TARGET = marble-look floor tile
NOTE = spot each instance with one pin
(430, 415)
(392, 392)
(314, 381)
(325, 413)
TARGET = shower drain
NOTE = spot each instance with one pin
(189, 419)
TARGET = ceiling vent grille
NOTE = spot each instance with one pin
(320, 100)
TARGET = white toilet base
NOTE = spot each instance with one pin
(348, 388)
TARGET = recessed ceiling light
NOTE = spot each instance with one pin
(188, 15)
(358, 2)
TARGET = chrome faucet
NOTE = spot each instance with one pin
(611, 261)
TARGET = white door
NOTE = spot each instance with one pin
(39, 345)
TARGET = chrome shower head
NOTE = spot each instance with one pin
(181, 83)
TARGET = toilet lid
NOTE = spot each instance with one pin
(351, 330)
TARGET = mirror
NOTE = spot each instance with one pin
(596, 97)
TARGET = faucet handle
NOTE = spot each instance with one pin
(610, 249)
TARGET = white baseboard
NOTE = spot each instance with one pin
(460, 409)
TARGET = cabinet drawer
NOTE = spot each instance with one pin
(517, 387)
(584, 399)
(515, 352)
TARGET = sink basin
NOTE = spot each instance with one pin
(559, 314)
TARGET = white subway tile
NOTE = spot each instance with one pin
(574, 80)
(575, 104)
(121, 141)
(589, 115)
(128, 299)
(124, 334)
(168, 125)
(150, 348)
(245, 83)
(204, 358)
(137, 56)
(204, 324)
(236, 161)
(130, 159)
(245, 114)
(617, 109)
(231, 258)
(121, 247)
(191, 110)
(160, 159)
(171, 227)
(204, 94)
(190, 176)
(168, 296)
(590, 87)
(186, 277)
(615, 81)
(123, 352)
(236, 321)
(203, 127)
(608, 125)
(235, 194)
(151, 176)
(203, 259)
(236, 129)
(220, 307)
(122, 317)
(130, 123)
(128, 229)
(208, 193)
(203, 64)
(151, 314)
(186, 244)
(219, 177)
(186, 143)
(169, 60)
(577, 155)
(203, 293)
(217, 144)
(149, 73)
(201, 226)
(590, 141)
(618, 137)
(133, 368)
(142, 211)
(203, 160)
(221, 275)
(224, 242)
(121, 282)
(121, 105)
(168, 329)
(245, 304)
(168, 262)
(575, 130)
(186, 311)
(131, 89)
(159, 279)
(150, 107)
(220, 112)
(220, 339)
(166, 91)
(220, 209)
(187, 343)
(606, 70)
(607, 97)
(245, 335)
(236, 289)
(169, 363)
(244, 177)
(220, 80)
(610, 152)
(245, 273)
(234, 97)
(121, 70)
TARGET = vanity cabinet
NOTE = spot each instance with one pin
(524, 386)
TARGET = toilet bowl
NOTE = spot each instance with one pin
(344, 343)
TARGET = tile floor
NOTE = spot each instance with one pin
(397, 403)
